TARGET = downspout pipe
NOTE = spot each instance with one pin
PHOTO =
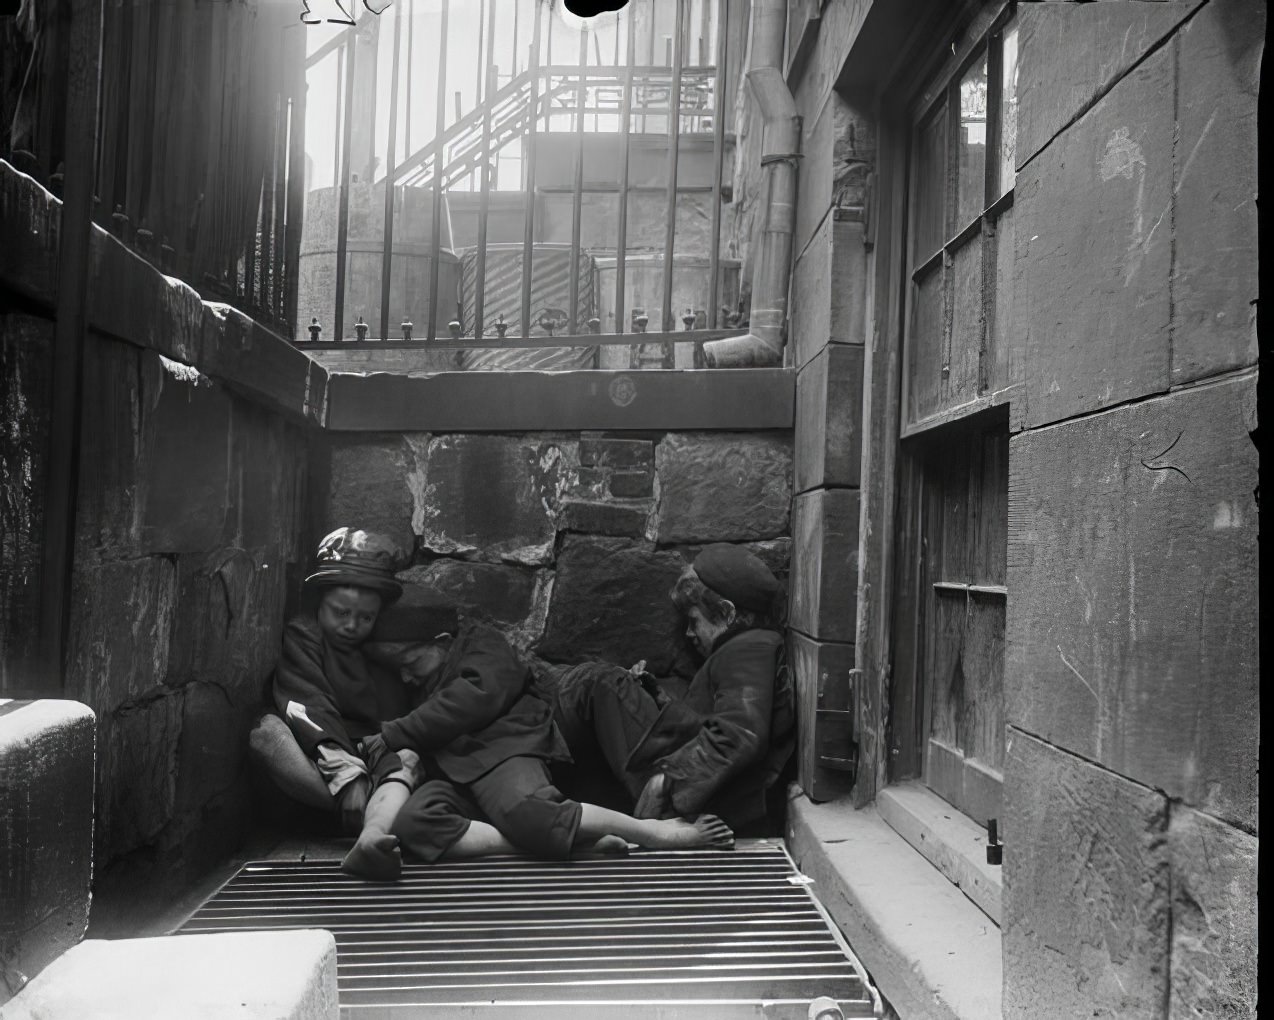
(780, 149)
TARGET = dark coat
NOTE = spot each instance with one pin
(476, 713)
(728, 738)
(338, 695)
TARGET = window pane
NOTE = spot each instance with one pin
(966, 324)
(972, 141)
(925, 347)
(1008, 109)
(930, 184)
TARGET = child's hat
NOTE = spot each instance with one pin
(738, 575)
(364, 559)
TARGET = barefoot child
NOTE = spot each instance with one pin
(485, 743)
(332, 696)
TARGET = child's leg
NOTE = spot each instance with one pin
(439, 822)
(375, 854)
(278, 753)
(664, 834)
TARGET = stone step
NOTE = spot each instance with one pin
(288, 975)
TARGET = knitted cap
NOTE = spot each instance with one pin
(364, 559)
(738, 575)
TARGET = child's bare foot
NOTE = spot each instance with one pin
(375, 856)
(607, 845)
(684, 833)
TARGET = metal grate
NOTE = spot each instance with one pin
(654, 934)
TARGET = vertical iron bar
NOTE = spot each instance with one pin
(340, 113)
(517, 26)
(440, 117)
(577, 194)
(83, 93)
(391, 155)
(621, 234)
(483, 29)
(718, 155)
(484, 207)
(296, 189)
(411, 32)
(342, 216)
(528, 222)
(280, 202)
(674, 143)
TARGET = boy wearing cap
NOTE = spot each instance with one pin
(331, 696)
(723, 744)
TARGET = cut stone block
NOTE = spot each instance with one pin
(623, 454)
(1086, 888)
(824, 591)
(185, 491)
(287, 975)
(1093, 237)
(371, 487)
(829, 412)
(26, 364)
(610, 601)
(503, 592)
(1132, 626)
(824, 714)
(604, 517)
(721, 488)
(1215, 284)
(809, 313)
(1070, 53)
(46, 833)
(493, 497)
(1214, 937)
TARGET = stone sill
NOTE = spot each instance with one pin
(751, 399)
(130, 300)
(950, 841)
(928, 948)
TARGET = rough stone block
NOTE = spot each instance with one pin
(121, 622)
(1215, 284)
(493, 497)
(1086, 888)
(185, 493)
(278, 975)
(605, 452)
(632, 484)
(829, 412)
(824, 714)
(137, 773)
(1093, 251)
(212, 606)
(1214, 938)
(46, 833)
(610, 601)
(211, 747)
(1132, 624)
(26, 362)
(721, 488)
(268, 464)
(504, 593)
(1070, 53)
(604, 517)
(372, 484)
(825, 564)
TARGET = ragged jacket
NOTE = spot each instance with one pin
(728, 738)
(476, 713)
(330, 693)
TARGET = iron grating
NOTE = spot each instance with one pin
(656, 934)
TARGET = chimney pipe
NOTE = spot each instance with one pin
(780, 144)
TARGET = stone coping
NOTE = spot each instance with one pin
(929, 949)
(130, 300)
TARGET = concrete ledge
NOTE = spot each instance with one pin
(744, 398)
(133, 301)
(288, 975)
(929, 950)
(950, 841)
(46, 833)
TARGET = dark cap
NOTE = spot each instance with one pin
(738, 575)
(363, 559)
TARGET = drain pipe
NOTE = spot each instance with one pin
(780, 142)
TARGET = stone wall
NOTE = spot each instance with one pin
(1131, 679)
(569, 541)
(191, 496)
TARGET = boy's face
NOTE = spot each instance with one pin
(702, 631)
(347, 615)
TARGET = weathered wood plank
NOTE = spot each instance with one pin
(760, 398)
(1132, 624)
